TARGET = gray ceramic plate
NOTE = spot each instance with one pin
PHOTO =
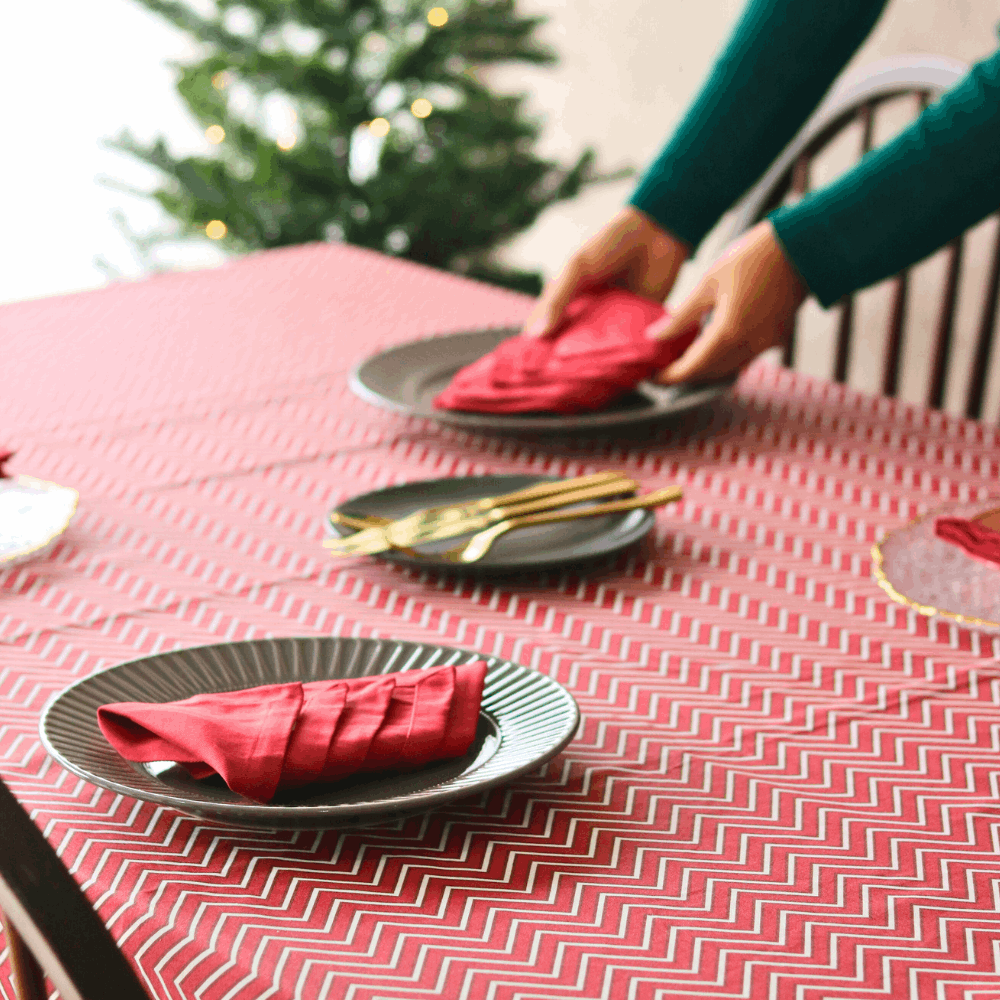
(544, 547)
(406, 379)
(526, 718)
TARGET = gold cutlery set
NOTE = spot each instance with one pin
(488, 518)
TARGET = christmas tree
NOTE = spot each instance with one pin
(369, 121)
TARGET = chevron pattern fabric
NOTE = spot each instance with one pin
(784, 786)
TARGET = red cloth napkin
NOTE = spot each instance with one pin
(973, 538)
(600, 352)
(287, 735)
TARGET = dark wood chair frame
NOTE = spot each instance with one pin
(855, 98)
(49, 924)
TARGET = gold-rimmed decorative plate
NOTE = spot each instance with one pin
(33, 514)
(936, 578)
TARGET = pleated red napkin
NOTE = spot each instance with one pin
(600, 352)
(280, 736)
(972, 537)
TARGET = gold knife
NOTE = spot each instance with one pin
(362, 541)
(389, 537)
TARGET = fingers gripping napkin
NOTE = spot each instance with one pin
(601, 351)
(280, 736)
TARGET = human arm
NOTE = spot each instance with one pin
(780, 60)
(900, 203)
(905, 199)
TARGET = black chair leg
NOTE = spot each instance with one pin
(29, 982)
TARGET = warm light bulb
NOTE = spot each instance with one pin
(215, 133)
(286, 142)
(216, 229)
(378, 127)
(421, 107)
(437, 17)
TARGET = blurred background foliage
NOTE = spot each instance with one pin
(367, 121)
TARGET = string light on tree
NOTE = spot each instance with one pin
(388, 149)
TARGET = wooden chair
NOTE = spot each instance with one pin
(49, 924)
(856, 98)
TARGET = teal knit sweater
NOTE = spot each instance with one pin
(897, 205)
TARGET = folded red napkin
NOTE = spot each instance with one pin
(972, 537)
(600, 352)
(287, 735)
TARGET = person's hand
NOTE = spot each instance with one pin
(630, 252)
(753, 293)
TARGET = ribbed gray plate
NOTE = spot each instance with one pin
(526, 718)
(407, 377)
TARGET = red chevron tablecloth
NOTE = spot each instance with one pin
(784, 785)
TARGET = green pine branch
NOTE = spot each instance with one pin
(450, 181)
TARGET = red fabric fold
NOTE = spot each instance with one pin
(5, 456)
(281, 736)
(973, 538)
(600, 352)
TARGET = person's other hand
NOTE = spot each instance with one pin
(752, 292)
(630, 252)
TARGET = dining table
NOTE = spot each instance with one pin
(784, 784)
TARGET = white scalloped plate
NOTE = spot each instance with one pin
(33, 514)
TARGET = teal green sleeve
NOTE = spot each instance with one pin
(780, 61)
(906, 199)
